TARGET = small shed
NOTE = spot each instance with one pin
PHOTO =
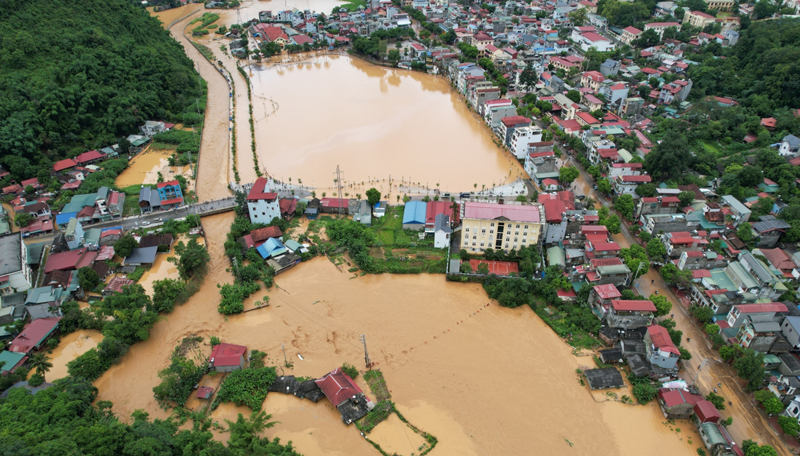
(611, 355)
(706, 412)
(608, 377)
(414, 215)
(141, 255)
(205, 392)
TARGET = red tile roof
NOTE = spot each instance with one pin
(89, 156)
(338, 387)
(673, 397)
(553, 209)
(594, 229)
(258, 193)
(64, 164)
(706, 412)
(758, 308)
(435, 208)
(606, 247)
(701, 274)
(660, 338)
(633, 305)
(227, 354)
(491, 211)
(262, 234)
(515, 120)
(172, 183)
(116, 284)
(643, 178)
(287, 205)
(65, 261)
(32, 334)
(607, 291)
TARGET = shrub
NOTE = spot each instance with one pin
(247, 387)
(215, 341)
(350, 370)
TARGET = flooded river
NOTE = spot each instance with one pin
(70, 347)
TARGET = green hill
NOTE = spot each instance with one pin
(76, 74)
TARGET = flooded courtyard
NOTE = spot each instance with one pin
(70, 347)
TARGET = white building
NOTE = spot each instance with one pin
(522, 137)
(790, 146)
(262, 204)
(15, 274)
(441, 231)
(595, 40)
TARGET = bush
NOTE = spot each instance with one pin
(350, 370)
(215, 341)
(36, 380)
(644, 392)
(789, 425)
(247, 387)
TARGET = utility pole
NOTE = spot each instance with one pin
(366, 354)
(285, 361)
(339, 189)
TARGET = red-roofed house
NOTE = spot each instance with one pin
(630, 314)
(555, 217)
(706, 412)
(590, 40)
(288, 207)
(602, 295)
(769, 123)
(509, 124)
(782, 261)
(626, 185)
(262, 204)
(227, 357)
(268, 33)
(339, 388)
(660, 349)
(773, 310)
(64, 164)
(34, 335)
(435, 208)
(87, 158)
(677, 403)
(584, 118)
(624, 169)
(68, 261)
(116, 284)
(659, 27)
(592, 80)
(630, 34)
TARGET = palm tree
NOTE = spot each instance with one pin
(244, 431)
(41, 363)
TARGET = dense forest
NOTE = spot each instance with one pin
(78, 74)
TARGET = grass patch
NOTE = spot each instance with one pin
(380, 413)
(353, 5)
(711, 147)
(574, 336)
(137, 274)
(377, 384)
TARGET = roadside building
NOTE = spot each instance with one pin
(661, 351)
(34, 335)
(262, 204)
(170, 194)
(15, 272)
(442, 232)
(500, 226)
(414, 215)
(227, 357)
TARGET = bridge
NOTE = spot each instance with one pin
(209, 207)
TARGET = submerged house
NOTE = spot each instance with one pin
(227, 357)
(345, 395)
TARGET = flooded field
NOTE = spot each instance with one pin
(71, 346)
(144, 169)
(373, 122)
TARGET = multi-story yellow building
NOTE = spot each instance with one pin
(500, 226)
(698, 19)
(720, 5)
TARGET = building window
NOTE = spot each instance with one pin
(491, 231)
(517, 226)
(466, 229)
(491, 224)
(526, 227)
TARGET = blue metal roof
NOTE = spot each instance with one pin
(272, 247)
(415, 212)
(63, 219)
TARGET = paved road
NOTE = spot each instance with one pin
(203, 208)
(705, 369)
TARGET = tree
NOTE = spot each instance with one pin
(125, 245)
(192, 258)
(394, 57)
(745, 232)
(574, 95)
(483, 268)
(528, 78)
(729, 352)
(644, 392)
(635, 258)
(22, 219)
(717, 400)
(578, 17)
(686, 198)
(663, 306)
(670, 157)
(568, 174)
(674, 276)
(40, 363)
(648, 38)
(646, 190)
(750, 367)
(656, 249)
(685, 354)
(373, 197)
(604, 185)
(711, 329)
(87, 278)
(789, 425)
(244, 433)
(625, 206)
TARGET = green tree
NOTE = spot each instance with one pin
(244, 432)
(711, 329)
(749, 366)
(656, 249)
(23, 219)
(568, 174)
(663, 306)
(745, 232)
(373, 197)
(625, 206)
(644, 392)
(685, 354)
(674, 276)
(789, 425)
(574, 95)
(578, 16)
(604, 186)
(40, 363)
(483, 268)
(528, 78)
(394, 57)
(87, 278)
(717, 400)
(125, 245)
(646, 190)
(670, 157)
(773, 406)
(192, 258)
(635, 258)
(686, 198)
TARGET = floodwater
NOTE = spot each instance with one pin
(71, 346)
(483, 380)
(373, 122)
(144, 169)
(162, 268)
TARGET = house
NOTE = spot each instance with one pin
(441, 232)
(414, 215)
(659, 27)
(227, 357)
(434, 208)
(677, 403)
(601, 296)
(782, 262)
(758, 333)
(675, 90)
(262, 205)
(149, 200)
(345, 395)
(611, 67)
(657, 205)
(769, 230)
(63, 165)
(273, 247)
(10, 362)
(608, 377)
(364, 214)
(741, 213)
(521, 138)
(170, 194)
(509, 124)
(152, 127)
(88, 158)
(500, 226)
(71, 260)
(630, 314)
(790, 146)
(115, 285)
(661, 351)
(15, 272)
(717, 440)
(775, 311)
(339, 206)
(34, 335)
(590, 40)
(288, 207)
(698, 19)
(163, 241)
(141, 256)
(630, 34)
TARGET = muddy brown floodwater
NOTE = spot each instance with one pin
(70, 347)
(484, 380)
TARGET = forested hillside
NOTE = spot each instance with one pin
(77, 74)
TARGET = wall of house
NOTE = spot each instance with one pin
(484, 232)
(263, 211)
(790, 334)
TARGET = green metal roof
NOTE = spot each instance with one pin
(10, 358)
(555, 255)
(713, 434)
(614, 269)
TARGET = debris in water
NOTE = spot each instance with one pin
(570, 443)
(300, 356)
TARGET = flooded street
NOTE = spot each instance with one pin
(71, 346)
(144, 169)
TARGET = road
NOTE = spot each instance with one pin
(705, 369)
(203, 208)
